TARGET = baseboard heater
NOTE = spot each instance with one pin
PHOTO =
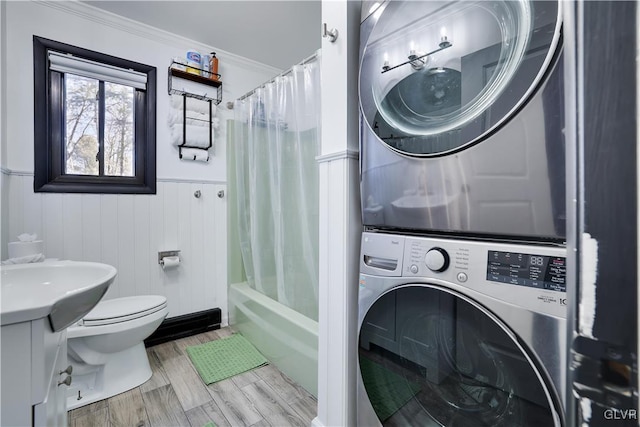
(185, 326)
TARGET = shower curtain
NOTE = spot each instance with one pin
(276, 141)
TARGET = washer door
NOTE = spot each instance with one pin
(438, 76)
(432, 357)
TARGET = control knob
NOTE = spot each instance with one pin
(437, 259)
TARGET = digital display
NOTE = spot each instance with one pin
(536, 271)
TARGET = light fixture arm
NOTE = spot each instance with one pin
(444, 45)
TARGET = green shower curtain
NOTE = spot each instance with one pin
(276, 138)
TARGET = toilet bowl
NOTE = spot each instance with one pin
(106, 347)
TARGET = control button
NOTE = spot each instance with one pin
(462, 277)
(437, 259)
(414, 269)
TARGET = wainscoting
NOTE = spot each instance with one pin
(127, 231)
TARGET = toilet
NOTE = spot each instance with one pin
(106, 348)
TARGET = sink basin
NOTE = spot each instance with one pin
(63, 291)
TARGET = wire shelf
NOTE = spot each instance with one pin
(176, 70)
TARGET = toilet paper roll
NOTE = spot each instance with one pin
(169, 262)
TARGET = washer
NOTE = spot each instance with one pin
(460, 333)
(461, 107)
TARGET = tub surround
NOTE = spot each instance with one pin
(287, 338)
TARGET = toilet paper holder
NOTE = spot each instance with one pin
(164, 254)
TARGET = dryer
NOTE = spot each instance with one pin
(460, 333)
(461, 107)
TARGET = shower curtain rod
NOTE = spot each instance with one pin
(305, 61)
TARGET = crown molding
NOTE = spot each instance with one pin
(100, 16)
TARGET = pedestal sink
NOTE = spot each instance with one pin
(37, 303)
(63, 291)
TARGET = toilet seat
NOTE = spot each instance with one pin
(123, 309)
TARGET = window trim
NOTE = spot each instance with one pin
(49, 126)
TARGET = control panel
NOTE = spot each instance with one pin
(537, 271)
(531, 276)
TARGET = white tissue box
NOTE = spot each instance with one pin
(20, 249)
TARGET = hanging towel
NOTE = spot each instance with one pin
(193, 118)
(193, 104)
(197, 136)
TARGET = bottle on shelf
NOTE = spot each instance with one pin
(194, 60)
(206, 66)
(213, 66)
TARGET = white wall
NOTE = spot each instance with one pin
(4, 183)
(3, 87)
(4, 217)
(340, 223)
(127, 231)
(87, 27)
(123, 230)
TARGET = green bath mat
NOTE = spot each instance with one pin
(387, 390)
(224, 358)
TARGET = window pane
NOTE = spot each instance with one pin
(118, 130)
(81, 138)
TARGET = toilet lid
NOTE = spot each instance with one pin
(121, 309)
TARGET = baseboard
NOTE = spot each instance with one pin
(185, 326)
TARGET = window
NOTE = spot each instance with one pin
(95, 121)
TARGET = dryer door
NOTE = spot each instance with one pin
(438, 76)
(432, 357)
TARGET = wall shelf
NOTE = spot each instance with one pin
(202, 79)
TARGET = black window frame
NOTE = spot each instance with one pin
(49, 127)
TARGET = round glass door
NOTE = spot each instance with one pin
(437, 76)
(429, 357)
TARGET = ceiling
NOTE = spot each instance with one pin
(276, 33)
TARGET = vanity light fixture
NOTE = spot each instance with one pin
(385, 65)
(416, 58)
(444, 41)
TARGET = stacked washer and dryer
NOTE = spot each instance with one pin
(462, 293)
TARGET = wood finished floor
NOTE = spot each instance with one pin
(175, 396)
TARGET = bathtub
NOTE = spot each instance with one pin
(285, 337)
